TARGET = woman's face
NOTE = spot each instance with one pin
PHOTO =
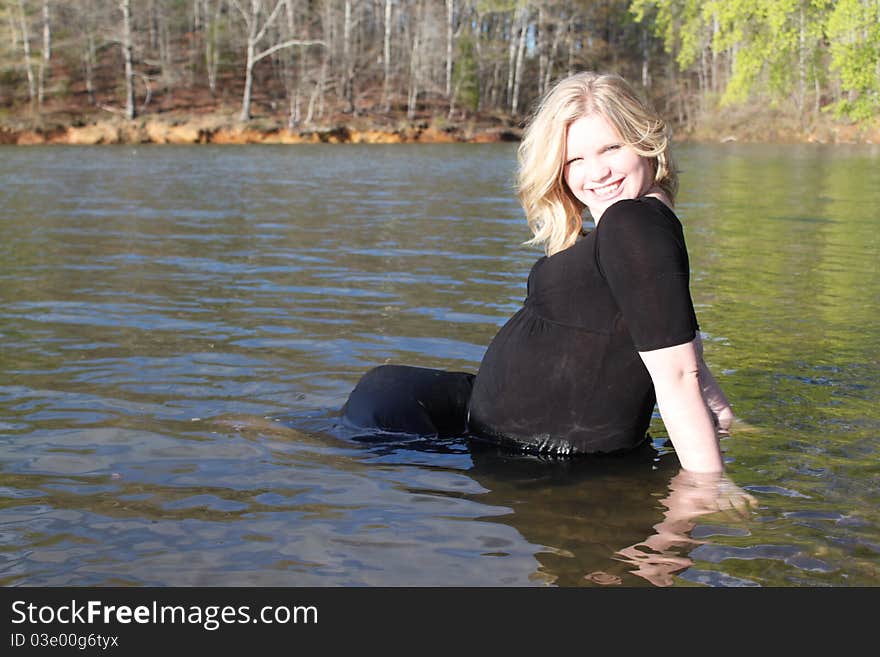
(599, 168)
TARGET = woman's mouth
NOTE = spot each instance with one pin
(609, 190)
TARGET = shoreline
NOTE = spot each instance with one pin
(221, 129)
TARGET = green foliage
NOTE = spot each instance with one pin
(778, 44)
(678, 23)
(776, 48)
(691, 19)
(854, 33)
(465, 74)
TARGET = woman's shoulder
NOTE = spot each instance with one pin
(631, 229)
(635, 211)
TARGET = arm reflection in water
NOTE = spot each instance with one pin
(604, 520)
(691, 495)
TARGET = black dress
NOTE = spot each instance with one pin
(563, 375)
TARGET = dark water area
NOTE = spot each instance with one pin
(180, 326)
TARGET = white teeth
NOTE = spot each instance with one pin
(607, 189)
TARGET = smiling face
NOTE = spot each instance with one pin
(600, 169)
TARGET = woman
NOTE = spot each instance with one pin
(608, 326)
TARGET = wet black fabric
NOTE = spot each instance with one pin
(414, 400)
(563, 375)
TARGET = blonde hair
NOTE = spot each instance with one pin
(553, 213)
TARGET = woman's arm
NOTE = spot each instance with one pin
(641, 253)
(675, 372)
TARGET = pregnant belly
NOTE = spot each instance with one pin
(556, 388)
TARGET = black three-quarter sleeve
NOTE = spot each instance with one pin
(641, 252)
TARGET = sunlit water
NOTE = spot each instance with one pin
(179, 327)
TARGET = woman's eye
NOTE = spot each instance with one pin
(612, 147)
(573, 160)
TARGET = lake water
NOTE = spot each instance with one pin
(179, 327)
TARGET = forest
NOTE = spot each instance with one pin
(749, 69)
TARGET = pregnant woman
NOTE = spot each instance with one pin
(608, 327)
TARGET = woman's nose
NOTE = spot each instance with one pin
(599, 172)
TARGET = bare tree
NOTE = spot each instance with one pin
(547, 46)
(289, 69)
(450, 14)
(46, 55)
(511, 47)
(210, 16)
(520, 53)
(256, 31)
(347, 64)
(414, 67)
(378, 51)
(316, 99)
(26, 48)
(293, 64)
(85, 22)
(125, 7)
(386, 58)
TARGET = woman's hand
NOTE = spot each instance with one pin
(723, 419)
(691, 495)
(713, 395)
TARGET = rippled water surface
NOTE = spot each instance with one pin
(179, 327)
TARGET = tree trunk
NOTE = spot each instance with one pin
(802, 73)
(319, 88)
(347, 66)
(26, 47)
(495, 90)
(481, 64)
(125, 5)
(46, 55)
(715, 75)
(417, 61)
(450, 11)
(554, 48)
(541, 44)
(386, 59)
(164, 45)
(412, 97)
(511, 55)
(153, 38)
(192, 52)
(248, 82)
(523, 26)
(291, 85)
(297, 100)
(212, 46)
(168, 76)
(703, 78)
(89, 64)
(325, 62)
(254, 36)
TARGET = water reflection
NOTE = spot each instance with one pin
(622, 519)
(606, 520)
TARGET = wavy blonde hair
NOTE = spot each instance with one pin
(553, 213)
